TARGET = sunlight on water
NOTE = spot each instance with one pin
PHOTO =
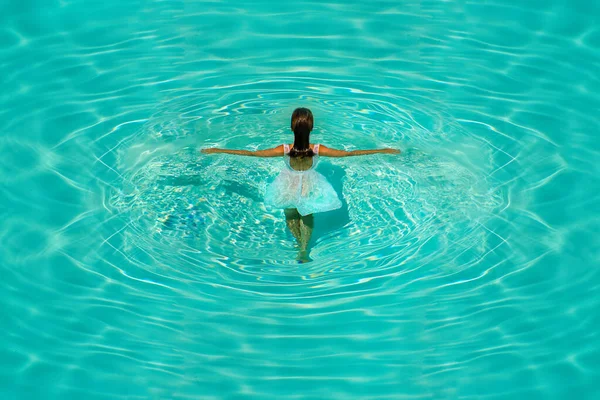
(463, 268)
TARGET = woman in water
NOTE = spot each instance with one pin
(299, 189)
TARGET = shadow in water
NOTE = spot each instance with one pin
(325, 224)
(328, 223)
(197, 180)
(242, 190)
(181, 180)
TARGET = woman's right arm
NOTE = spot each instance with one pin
(327, 152)
(274, 152)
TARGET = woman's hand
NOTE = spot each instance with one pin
(210, 150)
(390, 151)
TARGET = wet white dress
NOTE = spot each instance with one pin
(307, 191)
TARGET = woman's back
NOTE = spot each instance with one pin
(301, 163)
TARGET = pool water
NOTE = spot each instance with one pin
(132, 266)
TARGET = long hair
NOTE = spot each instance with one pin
(302, 124)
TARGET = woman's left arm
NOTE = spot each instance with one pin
(274, 152)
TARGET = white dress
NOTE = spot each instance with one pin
(307, 191)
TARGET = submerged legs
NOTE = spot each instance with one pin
(306, 228)
(292, 220)
(301, 227)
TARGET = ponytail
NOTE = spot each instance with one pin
(302, 124)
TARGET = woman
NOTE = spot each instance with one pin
(299, 189)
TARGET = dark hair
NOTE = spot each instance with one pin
(302, 124)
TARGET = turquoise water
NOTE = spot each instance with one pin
(133, 267)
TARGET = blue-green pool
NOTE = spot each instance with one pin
(134, 267)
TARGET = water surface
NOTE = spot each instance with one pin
(133, 267)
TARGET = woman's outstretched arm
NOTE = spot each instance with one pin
(327, 152)
(274, 152)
